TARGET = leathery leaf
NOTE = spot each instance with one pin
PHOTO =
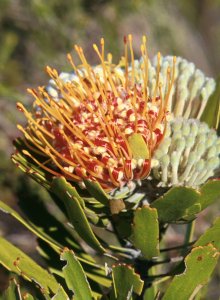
(184, 202)
(200, 264)
(125, 282)
(36, 230)
(96, 191)
(145, 231)
(75, 212)
(173, 205)
(18, 262)
(212, 235)
(75, 277)
(60, 295)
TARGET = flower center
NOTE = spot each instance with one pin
(101, 125)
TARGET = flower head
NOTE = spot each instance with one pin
(191, 88)
(101, 125)
(188, 155)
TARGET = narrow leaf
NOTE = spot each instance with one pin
(37, 231)
(27, 165)
(60, 295)
(67, 188)
(96, 191)
(126, 281)
(75, 277)
(146, 231)
(18, 262)
(149, 293)
(12, 292)
(200, 264)
(76, 214)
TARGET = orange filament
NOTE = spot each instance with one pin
(85, 133)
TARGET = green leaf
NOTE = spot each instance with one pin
(75, 277)
(184, 202)
(36, 230)
(96, 191)
(211, 114)
(93, 271)
(172, 206)
(210, 192)
(138, 146)
(126, 281)
(145, 231)
(212, 235)
(13, 291)
(76, 214)
(192, 211)
(149, 293)
(101, 279)
(49, 226)
(67, 188)
(26, 164)
(60, 295)
(200, 264)
(18, 262)
(122, 223)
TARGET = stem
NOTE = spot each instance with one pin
(168, 260)
(177, 247)
(188, 236)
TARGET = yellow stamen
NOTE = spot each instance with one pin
(106, 71)
(32, 120)
(88, 68)
(82, 78)
(30, 137)
(40, 164)
(162, 107)
(171, 81)
(83, 164)
(134, 104)
(63, 158)
(157, 77)
(132, 60)
(145, 73)
(73, 176)
(126, 62)
(114, 182)
(34, 149)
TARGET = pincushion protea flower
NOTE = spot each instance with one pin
(104, 126)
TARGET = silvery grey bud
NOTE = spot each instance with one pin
(188, 155)
(191, 88)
